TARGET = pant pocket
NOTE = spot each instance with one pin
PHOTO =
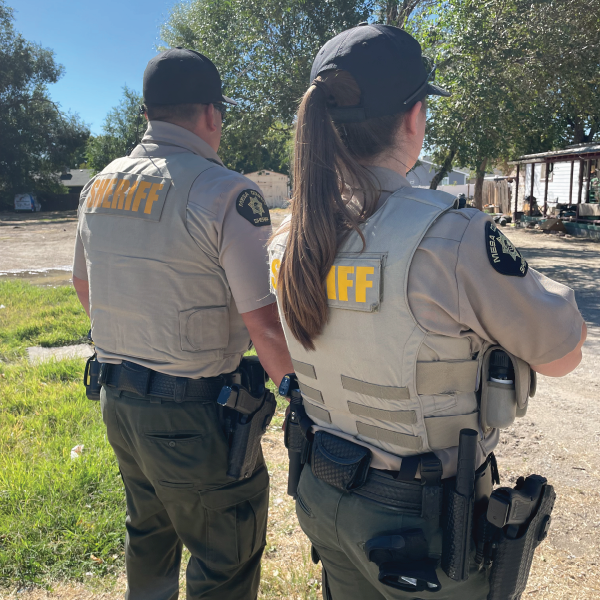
(236, 521)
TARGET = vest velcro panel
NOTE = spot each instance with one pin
(443, 377)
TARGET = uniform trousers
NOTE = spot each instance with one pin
(339, 523)
(173, 461)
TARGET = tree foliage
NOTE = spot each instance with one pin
(38, 139)
(122, 129)
(524, 77)
(264, 51)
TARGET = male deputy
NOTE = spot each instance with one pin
(170, 265)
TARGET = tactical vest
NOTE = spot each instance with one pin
(157, 298)
(375, 375)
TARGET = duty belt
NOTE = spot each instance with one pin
(131, 377)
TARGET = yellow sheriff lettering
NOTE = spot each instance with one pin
(100, 192)
(331, 295)
(275, 272)
(343, 282)
(120, 193)
(362, 283)
(152, 197)
(92, 193)
(107, 193)
(142, 190)
(130, 195)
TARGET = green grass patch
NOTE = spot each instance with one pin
(55, 512)
(38, 316)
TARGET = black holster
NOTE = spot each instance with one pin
(90, 378)
(247, 412)
(513, 557)
(297, 432)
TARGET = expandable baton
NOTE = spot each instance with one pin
(458, 526)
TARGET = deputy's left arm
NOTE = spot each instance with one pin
(242, 228)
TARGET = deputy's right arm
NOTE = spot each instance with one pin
(563, 366)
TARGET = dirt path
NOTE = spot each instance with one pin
(31, 245)
(37, 241)
(559, 438)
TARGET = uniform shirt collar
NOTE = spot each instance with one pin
(387, 180)
(160, 132)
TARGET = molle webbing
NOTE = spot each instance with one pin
(390, 437)
(311, 392)
(377, 391)
(304, 369)
(444, 432)
(407, 417)
(442, 377)
(317, 412)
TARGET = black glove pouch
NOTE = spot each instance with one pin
(403, 561)
(339, 462)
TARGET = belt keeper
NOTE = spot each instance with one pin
(180, 389)
(431, 484)
(103, 373)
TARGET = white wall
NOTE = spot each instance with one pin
(558, 188)
(274, 186)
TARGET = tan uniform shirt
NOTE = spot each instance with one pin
(453, 290)
(233, 249)
(211, 218)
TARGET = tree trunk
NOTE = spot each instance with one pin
(445, 168)
(478, 194)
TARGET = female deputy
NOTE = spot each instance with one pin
(391, 301)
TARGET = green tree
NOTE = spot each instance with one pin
(264, 51)
(524, 77)
(123, 127)
(38, 139)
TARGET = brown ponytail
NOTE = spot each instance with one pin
(327, 164)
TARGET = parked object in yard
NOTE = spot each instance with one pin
(27, 202)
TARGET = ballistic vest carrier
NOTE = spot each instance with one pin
(158, 298)
(375, 375)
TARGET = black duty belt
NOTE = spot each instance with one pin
(131, 377)
(384, 487)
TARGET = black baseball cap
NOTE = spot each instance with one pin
(388, 67)
(182, 76)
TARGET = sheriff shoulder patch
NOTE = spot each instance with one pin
(503, 256)
(252, 206)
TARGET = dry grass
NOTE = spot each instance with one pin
(289, 573)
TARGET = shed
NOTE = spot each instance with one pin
(275, 187)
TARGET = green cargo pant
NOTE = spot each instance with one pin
(173, 460)
(339, 523)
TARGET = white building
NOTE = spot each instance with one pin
(571, 176)
(275, 187)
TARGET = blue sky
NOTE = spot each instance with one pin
(102, 45)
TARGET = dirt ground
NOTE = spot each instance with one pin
(559, 438)
(40, 245)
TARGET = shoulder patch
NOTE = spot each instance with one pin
(503, 256)
(252, 206)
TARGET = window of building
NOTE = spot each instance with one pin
(446, 180)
